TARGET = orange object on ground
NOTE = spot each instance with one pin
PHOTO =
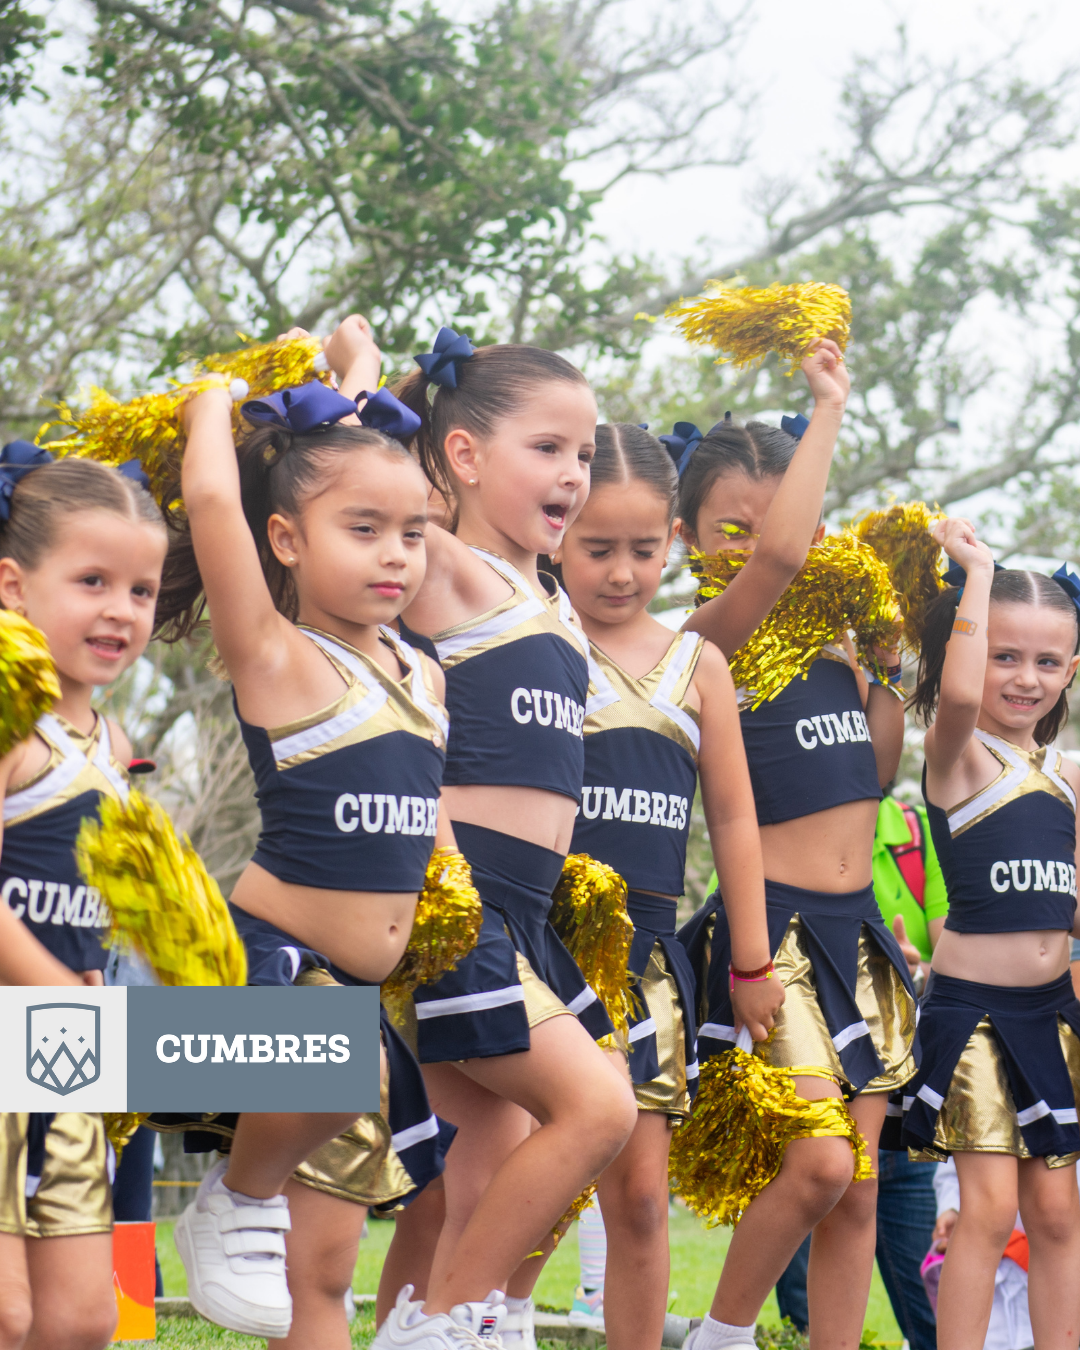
(1017, 1248)
(133, 1281)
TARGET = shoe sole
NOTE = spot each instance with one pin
(228, 1318)
(586, 1320)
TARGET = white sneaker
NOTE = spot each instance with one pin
(465, 1325)
(234, 1255)
(518, 1330)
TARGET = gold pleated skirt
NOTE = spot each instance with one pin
(659, 993)
(800, 1039)
(978, 1114)
(74, 1196)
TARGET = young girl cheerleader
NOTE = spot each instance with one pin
(508, 436)
(661, 709)
(849, 1018)
(81, 551)
(306, 540)
(999, 1083)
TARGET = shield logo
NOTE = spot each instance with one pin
(62, 1041)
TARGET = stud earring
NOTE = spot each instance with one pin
(472, 482)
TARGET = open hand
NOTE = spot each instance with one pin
(827, 375)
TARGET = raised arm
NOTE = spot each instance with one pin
(248, 631)
(964, 672)
(792, 519)
(728, 801)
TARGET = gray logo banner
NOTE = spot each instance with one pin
(63, 1046)
(253, 1049)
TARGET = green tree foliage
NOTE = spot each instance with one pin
(22, 36)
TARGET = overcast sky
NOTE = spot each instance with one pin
(794, 57)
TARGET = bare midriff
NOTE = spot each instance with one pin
(827, 851)
(1021, 960)
(533, 814)
(363, 932)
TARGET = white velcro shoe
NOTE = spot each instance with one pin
(472, 1325)
(518, 1330)
(234, 1255)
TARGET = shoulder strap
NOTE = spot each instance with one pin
(910, 858)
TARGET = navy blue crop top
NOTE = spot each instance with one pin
(350, 795)
(809, 747)
(641, 748)
(39, 878)
(517, 679)
(1008, 854)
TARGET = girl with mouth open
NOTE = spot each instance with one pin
(999, 1084)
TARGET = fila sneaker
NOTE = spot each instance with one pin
(467, 1326)
(233, 1250)
(518, 1330)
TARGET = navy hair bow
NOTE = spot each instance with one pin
(16, 460)
(681, 443)
(795, 426)
(133, 469)
(449, 351)
(301, 409)
(955, 575)
(1068, 578)
(383, 412)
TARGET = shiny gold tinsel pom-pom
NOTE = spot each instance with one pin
(745, 1114)
(749, 322)
(28, 682)
(446, 926)
(842, 585)
(900, 536)
(148, 428)
(589, 914)
(120, 1127)
(163, 901)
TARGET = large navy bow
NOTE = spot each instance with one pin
(441, 364)
(383, 412)
(133, 469)
(301, 409)
(957, 576)
(681, 443)
(795, 426)
(1068, 578)
(17, 459)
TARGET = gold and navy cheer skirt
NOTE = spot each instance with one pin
(850, 1009)
(55, 1174)
(1000, 1072)
(384, 1158)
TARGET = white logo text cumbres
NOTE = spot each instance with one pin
(55, 902)
(548, 709)
(830, 729)
(383, 813)
(635, 805)
(252, 1048)
(1029, 874)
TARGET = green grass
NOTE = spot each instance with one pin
(697, 1255)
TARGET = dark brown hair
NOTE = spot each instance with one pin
(1010, 587)
(279, 471)
(45, 495)
(757, 450)
(492, 385)
(625, 451)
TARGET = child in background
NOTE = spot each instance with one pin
(81, 552)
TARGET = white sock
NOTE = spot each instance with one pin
(714, 1335)
(516, 1305)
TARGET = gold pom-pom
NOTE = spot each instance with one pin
(28, 681)
(900, 536)
(576, 1210)
(589, 913)
(120, 1127)
(446, 926)
(749, 322)
(843, 584)
(148, 428)
(746, 1112)
(162, 900)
